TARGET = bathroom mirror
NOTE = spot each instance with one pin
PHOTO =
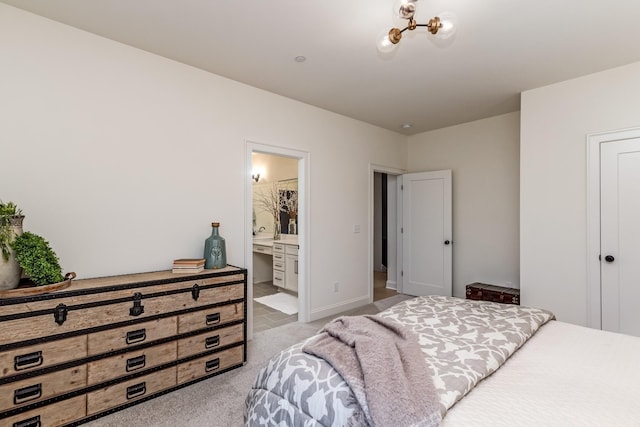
(287, 191)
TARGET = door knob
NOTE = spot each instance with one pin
(446, 242)
(609, 258)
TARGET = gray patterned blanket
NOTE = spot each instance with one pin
(384, 367)
(463, 342)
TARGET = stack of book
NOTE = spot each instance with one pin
(188, 265)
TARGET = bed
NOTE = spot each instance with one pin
(490, 364)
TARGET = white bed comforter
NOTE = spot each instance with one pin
(463, 341)
(565, 376)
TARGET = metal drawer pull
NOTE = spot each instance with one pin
(212, 319)
(27, 394)
(295, 267)
(195, 292)
(29, 422)
(136, 363)
(212, 341)
(136, 390)
(137, 308)
(26, 361)
(212, 365)
(60, 314)
(136, 336)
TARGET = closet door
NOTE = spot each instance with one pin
(620, 235)
(426, 235)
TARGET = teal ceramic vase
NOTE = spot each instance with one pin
(215, 252)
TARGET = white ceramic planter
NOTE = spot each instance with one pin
(10, 271)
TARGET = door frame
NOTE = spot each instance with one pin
(594, 285)
(304, 272)
(373, 168)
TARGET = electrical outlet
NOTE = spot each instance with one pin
(336, 286)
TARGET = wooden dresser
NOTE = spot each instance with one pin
(104, 344)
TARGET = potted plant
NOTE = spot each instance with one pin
(10, 228)
(39, 261)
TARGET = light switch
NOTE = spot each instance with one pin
(356, 228)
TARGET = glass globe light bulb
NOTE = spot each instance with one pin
(384, 44)
(404, 9)
(449, 25)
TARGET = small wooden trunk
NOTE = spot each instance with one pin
(485, 292)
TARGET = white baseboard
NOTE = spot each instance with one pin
(334, 309)
(391, 284)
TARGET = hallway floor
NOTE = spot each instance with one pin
(380, 290)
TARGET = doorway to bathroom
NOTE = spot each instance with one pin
(275, 240)
(276, 236)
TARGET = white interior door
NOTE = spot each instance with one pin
(620, 236)
(426, 235)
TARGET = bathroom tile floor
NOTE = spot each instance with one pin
(265, 317)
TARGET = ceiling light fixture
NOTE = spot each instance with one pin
(441, 27)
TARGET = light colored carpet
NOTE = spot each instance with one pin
(219, 401)
(282, 301)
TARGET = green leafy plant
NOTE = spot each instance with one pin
(8, 212)
(39, 261)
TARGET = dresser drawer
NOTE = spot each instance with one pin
(278, 256)
(129, 336)
(209, 296)
(42, 387)
(50, 416)
(210, 364)
(129, 391)
(42, 355)
(278, 247)
(211, 317)
(124, 364)
(291, 249)
(210, 340)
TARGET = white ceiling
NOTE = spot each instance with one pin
(502, 47)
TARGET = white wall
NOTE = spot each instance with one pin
(121, 158)
(555, 123)
(483, 156)
(274, 168)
